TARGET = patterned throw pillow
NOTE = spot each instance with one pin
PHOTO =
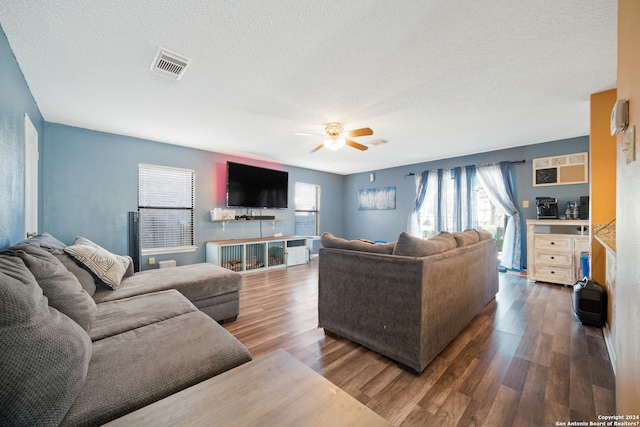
(110, 268)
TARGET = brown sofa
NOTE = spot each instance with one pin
(406, 300)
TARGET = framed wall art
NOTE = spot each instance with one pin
(561, 170)
(377, 199)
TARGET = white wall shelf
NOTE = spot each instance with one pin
(224, 222)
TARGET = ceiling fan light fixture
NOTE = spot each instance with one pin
(334, 142)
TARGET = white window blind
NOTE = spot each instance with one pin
(165, 204)
(307, 209)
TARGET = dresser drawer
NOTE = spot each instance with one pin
(554, 274)
(554, 242)
(563, 259)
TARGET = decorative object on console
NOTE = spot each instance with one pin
(219, 214)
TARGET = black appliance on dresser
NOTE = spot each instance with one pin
(590, 303)
(584, 207)
(547, 207)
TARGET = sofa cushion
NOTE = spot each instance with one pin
(60, 286)
(408, 245)
(45, 355)
(109, 267)
(193, 349)
(466, 237)
(127, 314)
(194, 281)
(328, 240)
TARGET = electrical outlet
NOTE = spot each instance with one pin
(525, 203)
(152, 261)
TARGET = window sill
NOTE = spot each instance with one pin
(173, 250)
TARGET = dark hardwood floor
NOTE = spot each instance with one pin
(523, 361)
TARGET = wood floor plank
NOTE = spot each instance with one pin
(531, 405)
(559, 380)
(517, 373)
(524, 360)
(503, 409)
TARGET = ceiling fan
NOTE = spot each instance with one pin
(336, 137)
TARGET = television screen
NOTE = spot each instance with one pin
(256, 187)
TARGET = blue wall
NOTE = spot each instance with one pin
(15, 101)
(386, 225)
(90, 184)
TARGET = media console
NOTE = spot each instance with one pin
(252, 255)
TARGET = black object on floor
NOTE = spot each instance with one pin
(590, 303)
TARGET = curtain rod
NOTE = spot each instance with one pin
(515, 162)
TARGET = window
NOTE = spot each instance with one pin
(307, 209)
(455, 200)
(165, 204)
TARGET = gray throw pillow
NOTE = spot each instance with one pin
(110, 268)
(45, 355)
(86, 278)
(47, 241)
(60, 286)
(466, 237)
(408, 245)
(484, 234)
(328, 240)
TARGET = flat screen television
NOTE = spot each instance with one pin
(256, 187)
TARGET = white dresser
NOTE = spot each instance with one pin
(554, 249)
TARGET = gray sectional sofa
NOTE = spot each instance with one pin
(409, 299)
(72, 359)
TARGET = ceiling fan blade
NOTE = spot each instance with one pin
(359, 132)
(317, 148)
(354, 144)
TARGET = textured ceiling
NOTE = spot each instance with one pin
(436, 79)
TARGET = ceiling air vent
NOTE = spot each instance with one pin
(169, 64)
(378, 141)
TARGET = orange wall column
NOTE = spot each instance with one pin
(602, 150)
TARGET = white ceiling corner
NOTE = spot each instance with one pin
(436, 79)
